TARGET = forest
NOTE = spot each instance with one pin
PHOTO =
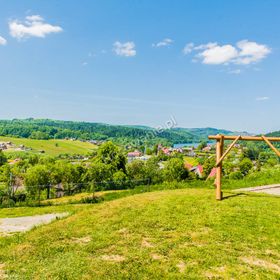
(44, 129)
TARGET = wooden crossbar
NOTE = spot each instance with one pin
(220, 156)
(245, 138)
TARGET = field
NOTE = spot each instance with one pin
(191, 160)
(52, 147)
(171, 234)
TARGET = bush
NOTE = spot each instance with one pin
(245, 166)
(7, 203)
(237, 175)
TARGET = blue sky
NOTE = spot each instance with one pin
(206, 63)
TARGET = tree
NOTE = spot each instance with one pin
(208, 165)
(3, 158)
(98, 174)
(108, 153)
(251, 152)
(136, 170)
(245, 166)
(37, 178)
(120, 179)
(66, 173)
(175, 170)
(152, 171)
(39, 135)
(202, 145)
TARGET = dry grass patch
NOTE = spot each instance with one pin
(216, 273)
(113, 258)
(146, 243)
(3, 274)
(181, 267)
(81, 240)
(157, 257)
(273, 253)
(261, 263)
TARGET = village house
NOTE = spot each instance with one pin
(134, 154)
(207, 149)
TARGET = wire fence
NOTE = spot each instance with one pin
(50, 191)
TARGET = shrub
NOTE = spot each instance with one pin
(237, 175)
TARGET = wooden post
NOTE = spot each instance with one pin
(219, 154)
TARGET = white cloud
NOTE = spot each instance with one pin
(33, 26)
(205, 46)
(124, 49)
(244, 52)
(3, 41)
(235, 71)
(188, 48)
(262, 98)
(164, 43)
(251, 52)
(34, 18)
(218, 54)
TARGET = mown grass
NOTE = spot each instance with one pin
(52, 147)
(171, 234)
(83, 197)
(31, 211)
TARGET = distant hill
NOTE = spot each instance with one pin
(202, 133)
(135, 135)
(274, 134)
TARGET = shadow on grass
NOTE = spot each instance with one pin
(232, 195)
(251, 194)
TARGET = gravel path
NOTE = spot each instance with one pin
(22, 224)
(270, 189)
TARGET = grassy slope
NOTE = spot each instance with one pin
(49, 146)
(176, 234)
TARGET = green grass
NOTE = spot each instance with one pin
(171, 234)
(80, 197)
(262, 178)
(52, 147)
(31, 211)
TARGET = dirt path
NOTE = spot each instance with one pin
(22, 224)
(270, 189)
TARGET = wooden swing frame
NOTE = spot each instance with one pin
(220, 154)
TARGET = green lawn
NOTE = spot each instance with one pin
(52, 147)
(171, 234)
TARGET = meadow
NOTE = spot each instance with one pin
(171, 234)
(52, 147)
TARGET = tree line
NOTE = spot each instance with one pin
(40, 175)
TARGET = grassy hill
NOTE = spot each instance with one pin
(52, 147)
(173, 234)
